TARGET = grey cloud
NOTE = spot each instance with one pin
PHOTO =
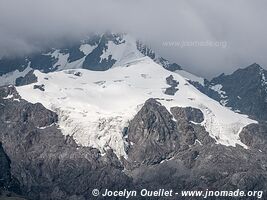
(31, 25)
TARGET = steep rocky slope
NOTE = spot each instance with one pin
(165, 149)
(47, 164)
(244, 91)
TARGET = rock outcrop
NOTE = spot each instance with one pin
(47, 164)
(164, 150)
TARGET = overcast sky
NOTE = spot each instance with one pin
(206, 37)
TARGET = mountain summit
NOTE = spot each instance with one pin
(111, 113)
(97, 53)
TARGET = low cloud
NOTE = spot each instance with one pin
(239, 26)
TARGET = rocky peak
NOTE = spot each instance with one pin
(251, 74)
(155, 134)
(152, 134)
(244, 90)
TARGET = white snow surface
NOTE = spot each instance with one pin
(218, 88)
(95, 107)
(123, 52)
(87, 48)
(190, 76)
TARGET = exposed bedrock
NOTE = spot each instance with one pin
(180, 154)
(165, 150)
(47, 164)
(27, 79)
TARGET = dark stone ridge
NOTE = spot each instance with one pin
(170, 81)
(173, 83)
(188, 114)
(206, 89)
(255, 135)
(43, 62)
(27, 79)
(39, 87)
(11, 64)
(145, 50)
(93, 60)
(171, 91)
(74, 53)
(196, 162)
(153, 134)
(245, 91)
(47, 164)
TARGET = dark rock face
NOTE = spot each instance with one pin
(187, 114)
(165, 150)
(9, 186)
(39, 87)
(74, 53)
(93, 60)
(11, 64)
(5, 175)
(173, 83)
(196, 162)
(35, 114)
(244, 90)
(27, 79)
(206, 89)
(43, 62)
(152, 134)
(47, 164)
(255, 136)
(145, 50)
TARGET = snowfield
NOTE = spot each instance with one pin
(95, 106)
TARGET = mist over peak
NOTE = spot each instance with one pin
(28, 26)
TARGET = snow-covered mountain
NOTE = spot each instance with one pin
(97, 86)
(97, 53)
(95, 106)
(113, 113)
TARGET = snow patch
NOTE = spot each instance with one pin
(190, 76)
(10, 96)
(87, 48)
(218, 88)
